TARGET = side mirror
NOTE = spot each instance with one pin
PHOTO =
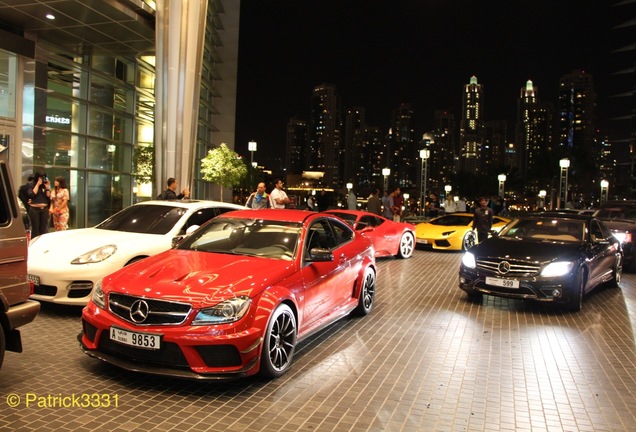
(320, 255)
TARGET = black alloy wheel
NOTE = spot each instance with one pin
(367, 293)
(279, 342)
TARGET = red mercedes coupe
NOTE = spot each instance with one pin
(232, 299)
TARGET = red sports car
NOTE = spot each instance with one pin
(232, 299)
(389, 238)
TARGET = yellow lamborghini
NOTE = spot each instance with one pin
(452, 231)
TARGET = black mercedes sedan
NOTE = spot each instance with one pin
(547, 257)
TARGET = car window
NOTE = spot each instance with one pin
(617, 212)
(146, 219)
(546, 229)
(341, 233)
(347, 217)
(452, 220)
(199, 217)
(368, 221)
(262, 238)
(596, 231)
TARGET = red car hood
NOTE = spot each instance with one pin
(199, 278)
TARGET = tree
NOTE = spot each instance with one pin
(223, 166)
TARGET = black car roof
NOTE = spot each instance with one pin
(560, 215)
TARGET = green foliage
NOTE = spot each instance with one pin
(223, 166)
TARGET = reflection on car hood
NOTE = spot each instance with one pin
(528, 250)
(199, 278)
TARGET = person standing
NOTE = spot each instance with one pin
(352, 201)
(482, 220)
(311, 203)
(432, 205)
(449, 205)
(387, 202)
(279, 197)
(59, 204)
(39, 193)
(259, 199)
(398, 202)
(374, 205)
(171, 194)
(323, 201)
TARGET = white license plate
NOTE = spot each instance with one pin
(505, 283)
(33, 278)
(139, 340)
(423, 241)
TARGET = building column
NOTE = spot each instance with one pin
(180, 31)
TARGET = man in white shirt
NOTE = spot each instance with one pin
(278, 195)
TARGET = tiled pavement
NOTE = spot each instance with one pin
(424, 360)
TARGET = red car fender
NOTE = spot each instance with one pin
(367, 262)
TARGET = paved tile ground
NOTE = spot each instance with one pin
(426, 359)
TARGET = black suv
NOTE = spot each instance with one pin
(620, 217)
(15, 307)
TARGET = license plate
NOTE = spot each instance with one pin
(504, 283)
(139, 340)
(34, 279)
(423, 241)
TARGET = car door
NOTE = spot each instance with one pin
(603, 251)
(323, 279)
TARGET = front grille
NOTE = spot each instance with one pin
(517, 268)
(159, 312)
(79, 289)
(169, 355)
(47, 290)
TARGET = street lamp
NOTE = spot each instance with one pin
(563, 183)
(251, 146)
(424, 155)
(604, 191)
(542, 194)
(386, 172)
(502, 180)
(349, 186)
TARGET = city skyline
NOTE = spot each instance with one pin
(502, 60)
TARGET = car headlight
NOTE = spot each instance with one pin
(98, 295)
(559, 268)
(469, 260)
(96, 255)
(227, 311)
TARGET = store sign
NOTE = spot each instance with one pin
(58, 120)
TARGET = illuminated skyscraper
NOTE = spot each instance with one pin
(324, 134)
(471, 126)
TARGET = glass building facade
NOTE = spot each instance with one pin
(88, 113)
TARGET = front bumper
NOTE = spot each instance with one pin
(551, 290)
(193, 352)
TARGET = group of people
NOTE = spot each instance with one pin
(45, 202)
(276, 199)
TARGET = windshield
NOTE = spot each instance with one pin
(546, 229)
(145, 219)
(252, 237)
(452, 220)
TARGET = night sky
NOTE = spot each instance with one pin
(382, 53)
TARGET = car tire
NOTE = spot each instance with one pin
(279, 342)
(367, 293)
(469, 240)
(406, 246)
(575, 301)
(2, 345)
